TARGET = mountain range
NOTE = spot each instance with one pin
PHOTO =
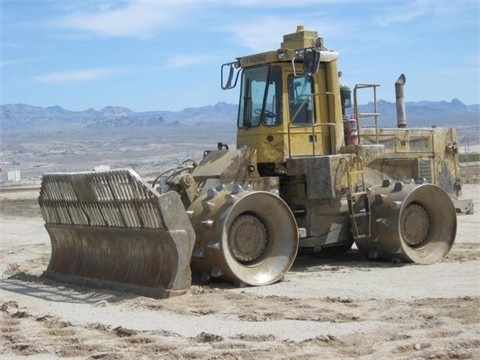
(24, 117)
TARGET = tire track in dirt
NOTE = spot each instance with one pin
(329, 308)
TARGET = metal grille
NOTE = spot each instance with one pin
(106, 199)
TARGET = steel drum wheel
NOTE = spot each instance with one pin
(246, 237)
(410, 223)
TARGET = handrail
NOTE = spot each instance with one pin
(312, 124)
(358, 115)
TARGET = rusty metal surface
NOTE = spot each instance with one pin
(245, 237)
(111, 229)
(410, 223)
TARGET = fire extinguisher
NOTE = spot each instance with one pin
(351, 131)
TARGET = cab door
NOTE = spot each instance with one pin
(307, 134)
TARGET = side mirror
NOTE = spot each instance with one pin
(229, 75)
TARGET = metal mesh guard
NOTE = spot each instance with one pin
(106, 199)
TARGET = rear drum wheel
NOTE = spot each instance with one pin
(410, 223)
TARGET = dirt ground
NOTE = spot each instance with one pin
(347, 308)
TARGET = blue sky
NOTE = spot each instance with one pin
(166, 55)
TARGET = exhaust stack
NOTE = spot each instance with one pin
(400, 102)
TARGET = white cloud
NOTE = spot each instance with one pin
(10, 45)
(138, 19)
(186, 60)
(404, 12)
(279, 3)
(434, 13)
(81, 75)
(4, 63)
(263, 33)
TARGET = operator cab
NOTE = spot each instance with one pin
(289, 102)
(261, 98)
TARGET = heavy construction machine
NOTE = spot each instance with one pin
(304, 177)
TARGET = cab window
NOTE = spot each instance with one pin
(260, 97)
(300, 90)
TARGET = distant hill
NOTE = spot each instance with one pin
(428, 113)
(24, 117)
(36, 140)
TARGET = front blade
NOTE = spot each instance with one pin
(111, 229)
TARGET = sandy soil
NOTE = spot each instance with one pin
(346, 308)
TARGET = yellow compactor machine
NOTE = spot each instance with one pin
(304, 177)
